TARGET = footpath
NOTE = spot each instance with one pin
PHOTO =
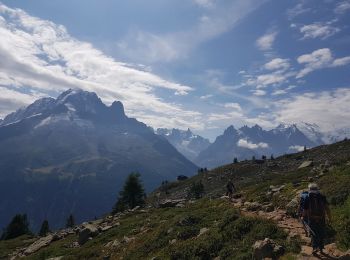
(294, 228)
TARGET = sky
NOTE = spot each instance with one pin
(198, 64)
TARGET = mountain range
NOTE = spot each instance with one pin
(246, 142)
(72, 154)
(186, 142)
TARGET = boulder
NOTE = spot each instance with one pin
(268, 208)
(293, 206)
(267, 248)
(306, 164)
(170, 203)
(203, 231)
(252, 206)
(86, 233)
(40, 243)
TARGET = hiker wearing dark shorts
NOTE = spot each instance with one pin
(315, 211)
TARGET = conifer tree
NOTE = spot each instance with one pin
(18, 226)
(44, 228)
(132, 194)
(70, 221)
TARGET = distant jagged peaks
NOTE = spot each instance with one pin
(186, 142)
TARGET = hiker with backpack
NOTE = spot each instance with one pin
(313, 212)
(230, 188)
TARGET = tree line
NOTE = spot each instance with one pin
(132, 195)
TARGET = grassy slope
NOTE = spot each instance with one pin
(253, 181)
(229, 234)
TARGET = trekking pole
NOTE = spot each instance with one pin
(308, 228)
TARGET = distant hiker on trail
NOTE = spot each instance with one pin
(230, 189)
(314, 210)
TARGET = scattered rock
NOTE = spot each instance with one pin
(252, 206)
(268, 208)
(40, 243)
(203, 231)
(170, 203)
(267, 248)
(55, 258)
(88, 232)
(292, 207)
(112, 244)
(171, 242)
(306, 164)
(105, 228)
(128, 239)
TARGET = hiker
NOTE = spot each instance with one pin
(230, 189)
(314, 212)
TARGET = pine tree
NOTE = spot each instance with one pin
(132, 195)
(272, 158)
(235, 160)
(70, 221)
(44, 228)
(18, 226)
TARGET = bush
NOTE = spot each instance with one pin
(196, 190)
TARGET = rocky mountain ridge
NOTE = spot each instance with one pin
(71, 155)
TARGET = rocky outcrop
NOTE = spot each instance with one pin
(37, 245)
(306, 164)
(86, 233)
(267, 248)
(172, 203)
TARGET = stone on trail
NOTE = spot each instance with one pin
(267, 248)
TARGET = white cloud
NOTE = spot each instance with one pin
(11, 100)
(342, 7)
(278, 92)
(341, 61)
(277, 64)
(151, 47)
(318, 30)
(205, 3)
(297, 10)
(266, 41)
(246, 144)
(235, 106)
(319, 59)
(297, 148)
(38, 56)
(259, 92)
(328, 109)
(205, 97)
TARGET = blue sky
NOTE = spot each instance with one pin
(202, 64)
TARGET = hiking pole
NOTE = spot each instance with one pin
(308, 228)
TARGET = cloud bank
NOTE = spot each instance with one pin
(39, 58)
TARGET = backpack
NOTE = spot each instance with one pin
(303, 197)
(316, 205)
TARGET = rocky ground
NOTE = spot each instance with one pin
(293, 227)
